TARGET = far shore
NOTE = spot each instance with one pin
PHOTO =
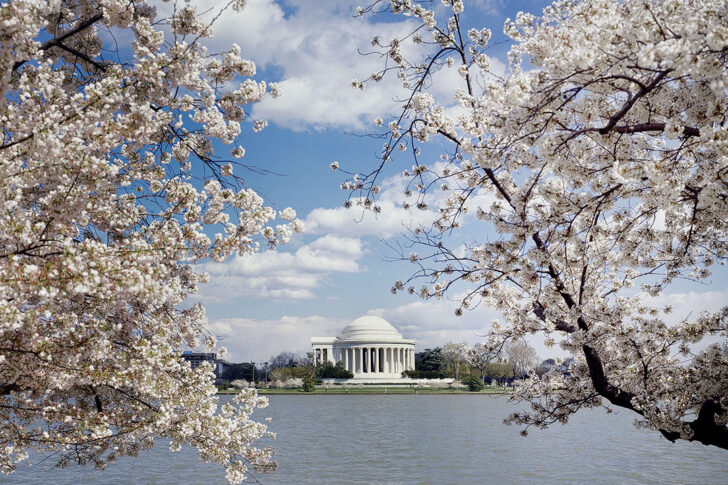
(375, 390)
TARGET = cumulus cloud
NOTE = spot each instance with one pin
(392, 221)
(433, 322)
(313, 53)
(278, 274)
(257, 340)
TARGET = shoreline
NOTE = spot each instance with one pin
(374, 391)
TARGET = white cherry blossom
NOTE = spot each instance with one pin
(100, 220)
(603, 156)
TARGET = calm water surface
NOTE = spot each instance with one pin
(425, 439)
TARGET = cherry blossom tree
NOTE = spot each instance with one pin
(455, 354)
(521, 356)
(589, 177)
(481, 355)
(111, 187)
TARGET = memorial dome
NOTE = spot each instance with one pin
(369, 347)
(369, 327)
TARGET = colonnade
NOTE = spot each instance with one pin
(364, 359)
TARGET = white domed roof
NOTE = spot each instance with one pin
(369, 327)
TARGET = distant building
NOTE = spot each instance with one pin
(369, 347)
(196, 358)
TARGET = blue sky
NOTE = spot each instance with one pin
(336, 271)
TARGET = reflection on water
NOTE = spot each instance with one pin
(425, 439)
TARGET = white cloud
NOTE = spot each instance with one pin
(257, 340)
(278, 274)
(315, 50)
(689, 305)
(392, 221)
(433, 323)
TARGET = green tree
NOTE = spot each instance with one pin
(454, 356)
(281, 374)
(474, 383)
(328, 370)
(498, 371)
(238, 371)
(430, 360)
(302, 371)
(309, 384)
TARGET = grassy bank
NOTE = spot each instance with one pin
(376, 390)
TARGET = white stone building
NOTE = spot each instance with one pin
(369, 347)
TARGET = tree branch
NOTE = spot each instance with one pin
(56, 41)
(630, 102)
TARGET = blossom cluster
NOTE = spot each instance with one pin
(604, 166)
(102, 213)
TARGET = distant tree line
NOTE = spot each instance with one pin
(516, 360)
(284, 367)
(473, 366)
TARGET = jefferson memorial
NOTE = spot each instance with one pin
(369, 347)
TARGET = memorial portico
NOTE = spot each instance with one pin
(369, 347)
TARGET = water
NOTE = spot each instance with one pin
(425, 439)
